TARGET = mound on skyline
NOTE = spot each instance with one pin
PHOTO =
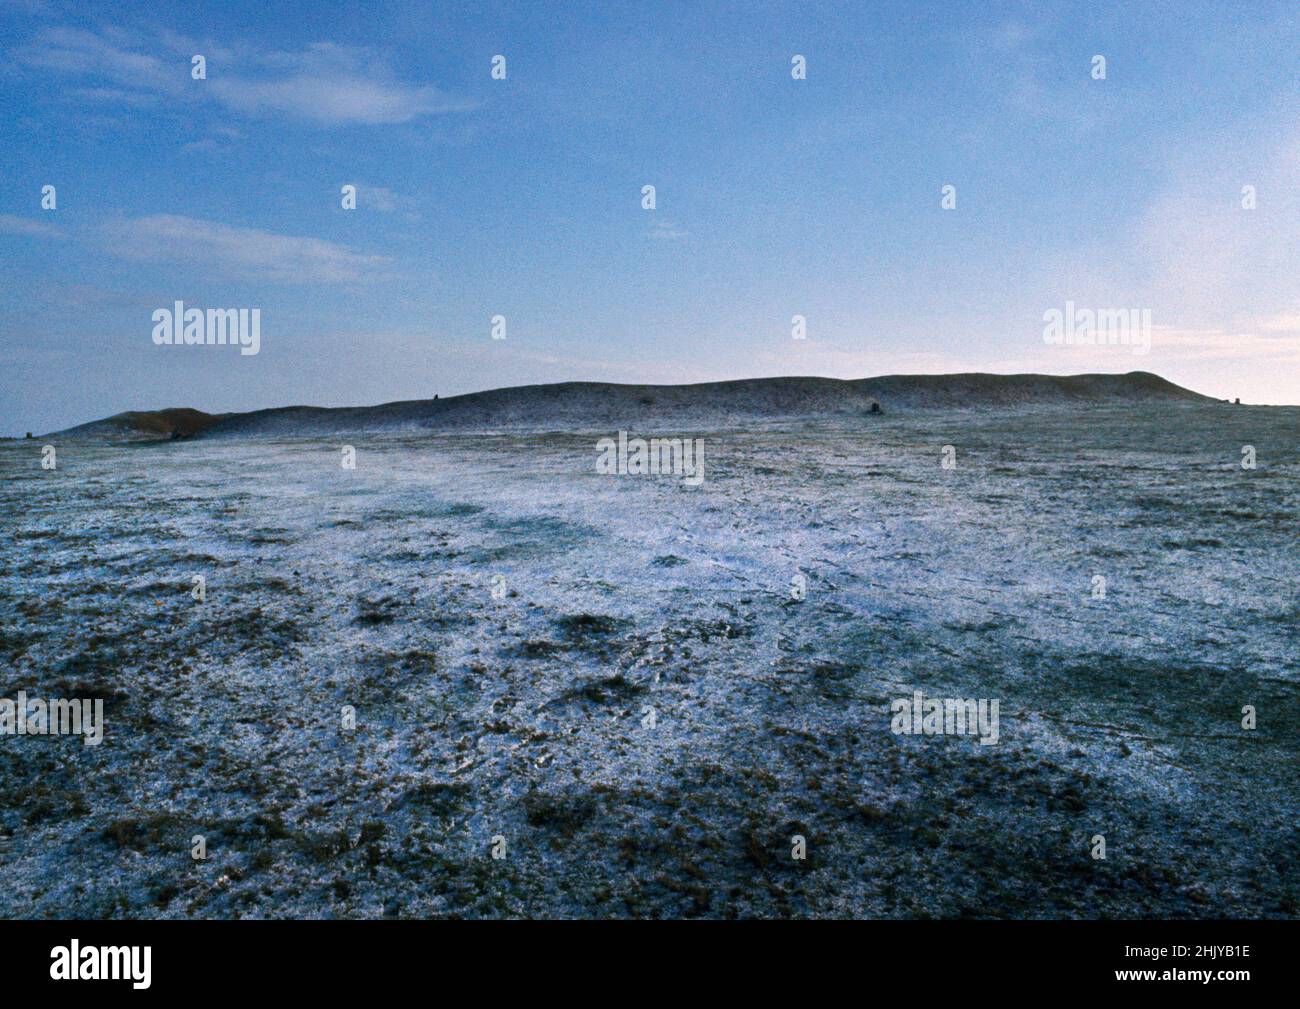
(173, 422)
(602, 406)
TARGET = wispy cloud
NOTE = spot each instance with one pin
(1283, 322)
(1269, 345)
(219, 138)
(240, 252)
(378, 198)
(108, 57)
(667, 230)
(11, 225)
(118, 96)
(325, 83)
(331, 84)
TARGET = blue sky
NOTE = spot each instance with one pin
(522, 197)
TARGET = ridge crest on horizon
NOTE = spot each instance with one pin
(598, 405)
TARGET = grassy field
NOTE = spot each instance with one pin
(612, 674)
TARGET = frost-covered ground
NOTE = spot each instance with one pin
(526, 716)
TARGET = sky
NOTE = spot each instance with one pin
(522, 197)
